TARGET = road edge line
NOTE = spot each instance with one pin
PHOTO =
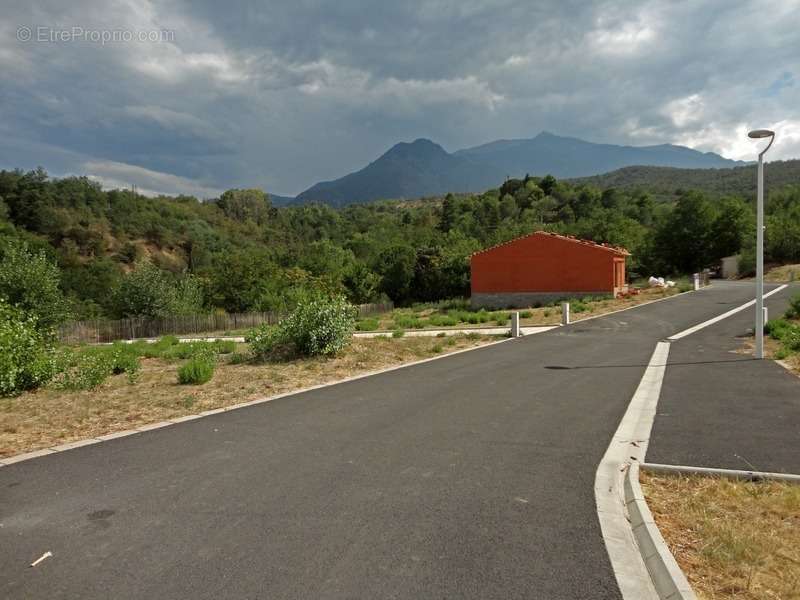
(695, 328)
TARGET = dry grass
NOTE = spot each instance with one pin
(733, 539)
(606, 306)
(47, 417)
(545, 315)
(783, 274)
(771, 350)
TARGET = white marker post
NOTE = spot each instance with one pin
(515, 332)
(565, 313)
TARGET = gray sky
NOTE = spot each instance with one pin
(279, 95)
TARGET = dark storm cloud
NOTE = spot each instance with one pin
(280, 95)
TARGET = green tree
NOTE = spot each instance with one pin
(362, 284)
(684, 238)
(147, 291)
(245, 205)
(449, 213)
(26, 352)
(396, 267)
(733, 222)
(31, 282)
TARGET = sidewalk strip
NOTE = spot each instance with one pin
(629, 444)
(719, 318)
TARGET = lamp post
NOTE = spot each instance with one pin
(759, 332)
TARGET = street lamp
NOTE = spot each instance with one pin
(759, 134)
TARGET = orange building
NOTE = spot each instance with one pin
(542, 267)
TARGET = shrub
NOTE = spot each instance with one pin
(83, 370)
(192, 349)
(441, 334)
(315, 327)
(367, 324)
(578, 306)
(793, 312)
(398, 333)
(442, 321)
(791, 338)
(320, 327)
(525, 314)
(197, 370)
(238, 358)
(408, 322)
(775, 328)
(263, 340)
(472, 335)
(125, 359)
(26, 353)
(224, 346)
(437, 349)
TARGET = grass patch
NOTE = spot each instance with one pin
(51, 416)
(369, 324)
(733, 539)
(196, 371)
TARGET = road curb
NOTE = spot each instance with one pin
(628, 446)
(668, 579)
(17, 458)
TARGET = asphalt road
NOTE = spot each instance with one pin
(720, 408)
(466, 477)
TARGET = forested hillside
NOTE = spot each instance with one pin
(668, 182)
(122, 254)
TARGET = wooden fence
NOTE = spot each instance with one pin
(99, 331)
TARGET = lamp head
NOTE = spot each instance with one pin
(760, 133)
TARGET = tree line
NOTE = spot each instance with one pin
(117, 253)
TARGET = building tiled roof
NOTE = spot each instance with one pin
(569, 238)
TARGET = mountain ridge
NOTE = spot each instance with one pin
(424, 168)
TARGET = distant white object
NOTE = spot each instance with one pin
(657, 282)
(47, 554)
(565, 313)
(696, 281)
(669, 284)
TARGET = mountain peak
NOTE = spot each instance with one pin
(420, 147)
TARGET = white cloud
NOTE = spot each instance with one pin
(732, 141)
(112, 174)
(281, 95)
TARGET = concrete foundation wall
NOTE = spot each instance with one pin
(525, 299)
